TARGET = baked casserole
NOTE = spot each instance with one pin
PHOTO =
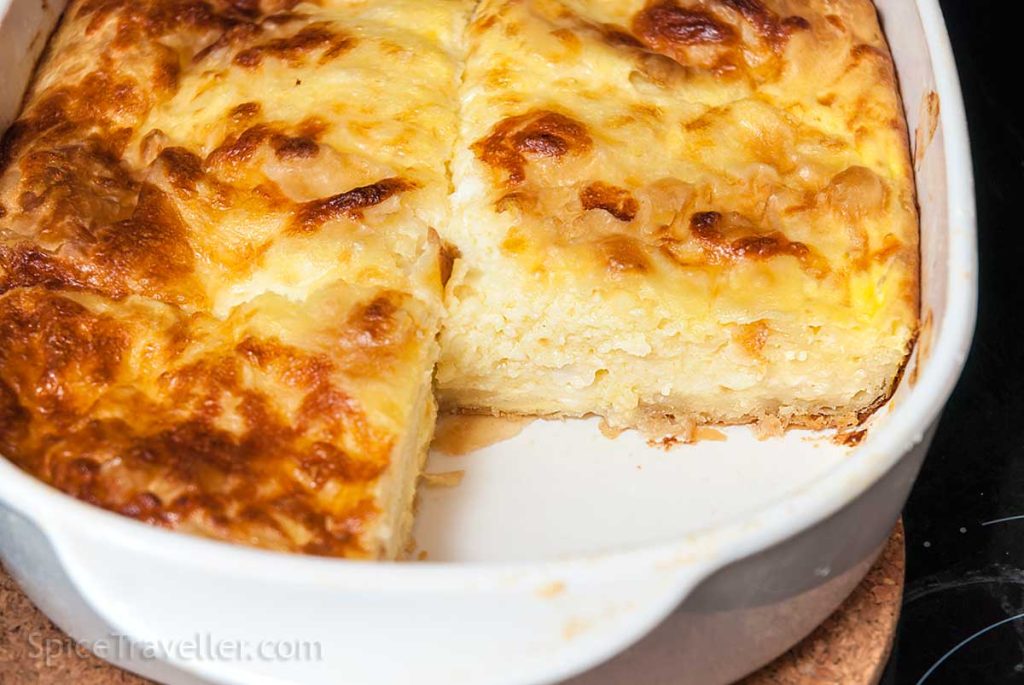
(239, 239)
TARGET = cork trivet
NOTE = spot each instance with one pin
(850, 648)
(23, 633)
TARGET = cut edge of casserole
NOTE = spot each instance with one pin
(673, 214)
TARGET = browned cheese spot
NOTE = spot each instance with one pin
(244, 112)
(709, 228)
(618, 37)
(374, 322)
(664, 26)
(708, 35)
(617, 201)
(447, 255)
(294, 49)
(752, 337)
(154, 19)
(294, 147)
(239, 149)
(623, 254)
(184, 168)
(146, 253)
(102, 100)
(773, 28)
(56, 357)
(517, 140)
(312, 215)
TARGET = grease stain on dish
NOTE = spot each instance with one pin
(692, 437)
(443, 479)
(931, 108)
(551, 590)
(923, 348)
(574, 627)
(925, 341)
(460, 434)
(709, 434)
(850, 438)
(609, 431)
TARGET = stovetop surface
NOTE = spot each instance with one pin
(963, 611)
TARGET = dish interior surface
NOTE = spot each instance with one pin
(563, 488)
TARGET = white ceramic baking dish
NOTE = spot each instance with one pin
(561, 548)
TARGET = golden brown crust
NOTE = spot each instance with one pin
(143, 253)
(232, 434)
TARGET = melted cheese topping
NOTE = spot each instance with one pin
(717, 139)
(220, 286)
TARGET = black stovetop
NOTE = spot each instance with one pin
(965, 518)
